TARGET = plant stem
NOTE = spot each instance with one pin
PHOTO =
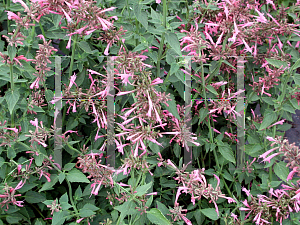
(42, 29)
(12, 86)
(32, 35)
(8, 21)
(69, 184)
(162, 41)
(73, 56)
(210, 131)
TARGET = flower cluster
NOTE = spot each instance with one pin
(290, 153)
(6, 136)
(195, 184)
(41, 60)
(99, 173)
(10, 195)
(281, 202)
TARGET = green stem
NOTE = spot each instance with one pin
(69, 184)
(42, 29)
(162, 41)
(12, 86)
(32, 36)
(210, 131)
(73, 56)
(187, 10)
(8, 21)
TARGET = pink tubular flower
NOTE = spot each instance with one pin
(10, 196)
(261, 17)
(23, 4)
(13, 16)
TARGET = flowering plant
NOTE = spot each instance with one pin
(147, 125)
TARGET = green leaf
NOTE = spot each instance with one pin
(210, 213)
(49, 185)
(181, 76)
(58, 218)
(287, 107)
(174, 68)
(296, 65)
(226, 151)
(64, 198)
(49, 95)
(90, 207)
(162, 208)
(77, 176)
(1, 161)
(11, 153)
(177, 150)
(34, 197)
(297, 78)
(61, 177)
(172, 108)
(142, 17)
(12, 51)
(211, 89)
(39, 159)
(268, 120)
(281, 170)
(199, 216)
(126, 208)
(156, 217)
(268, 100)
(139, 48)
(69, 166)
(86, 213)
(85, 47)
(277, 63)
(141, 190)
(252, 149)
(173, 41)
(12, 98)
(226, 62)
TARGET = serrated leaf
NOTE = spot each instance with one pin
(268, 120)
(49, 95)
(210, 213)
(64, 198)
(126, 208)
(61, 177)
(141, 190)
(172, 108)
(12, 51)
(49, 185)
(86, 213)
(174, 68)
(211, 89)
(227, 63)
(156, 217)
(252, 149)
(141, 16)
(296, 65)
(297, 78)
(58, 218)
(173, 41)
(38, 159)
(12, 98)
(277, 63)
(226, 152)
(281, 170)
(85, 47)
(77, 176)
(34, 197)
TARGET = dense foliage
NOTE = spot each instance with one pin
(234, 178)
